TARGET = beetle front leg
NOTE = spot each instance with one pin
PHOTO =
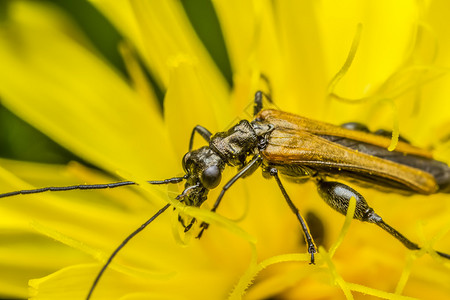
(248, 168)
(312, 249)
(338, 195)
(204, 133)
(258, 101)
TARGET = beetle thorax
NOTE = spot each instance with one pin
(236, 144)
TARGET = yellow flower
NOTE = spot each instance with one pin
(51, 77)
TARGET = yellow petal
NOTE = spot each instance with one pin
(66, 91)
(189, 102)
(161, 31)
(253, 44)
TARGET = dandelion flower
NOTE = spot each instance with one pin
(53, 78)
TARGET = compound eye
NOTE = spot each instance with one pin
(211, 177)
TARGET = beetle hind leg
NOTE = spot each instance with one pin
(443, 180)
(338, 195)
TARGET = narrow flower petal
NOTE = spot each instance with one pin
(161, 31)
(72, 283)
(190, 102)
(254, 49)
(386, 23)
(18, 260)
(57, 98)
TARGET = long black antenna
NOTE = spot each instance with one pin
(125, 241)
(99, 187)
(69, 188)
(87, 187)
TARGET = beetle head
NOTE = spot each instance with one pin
(203, 168)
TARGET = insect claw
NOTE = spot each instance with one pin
(312, 250)
(204, 226)
(199, 235)
(187, 228)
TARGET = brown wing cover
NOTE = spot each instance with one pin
(294, 142)
(287, 121)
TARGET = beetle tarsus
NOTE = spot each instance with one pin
(312, 250)
(189, 226)
(203, 226)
